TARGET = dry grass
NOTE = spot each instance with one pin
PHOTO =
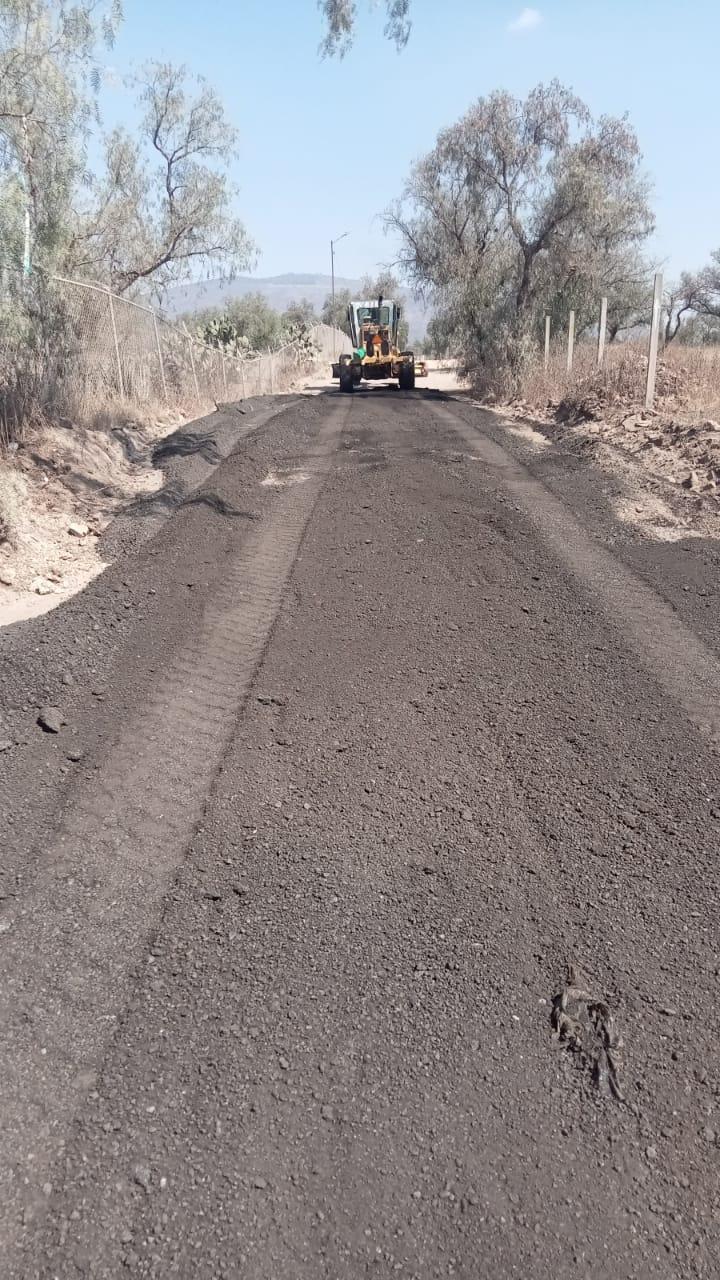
(687, 386)
(670, 456)
(13, 495)
(20, 399)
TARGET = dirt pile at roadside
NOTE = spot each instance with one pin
(59, 490)
(685, 455)
(660, 455)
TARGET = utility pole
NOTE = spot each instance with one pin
(332, 277)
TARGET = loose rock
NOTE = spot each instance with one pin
(142, 1176)
(50, 719)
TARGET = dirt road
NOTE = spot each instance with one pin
(361, 917)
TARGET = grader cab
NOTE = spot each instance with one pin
(375, 356)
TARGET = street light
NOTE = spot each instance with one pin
(332, 276)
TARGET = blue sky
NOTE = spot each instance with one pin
(306, 171)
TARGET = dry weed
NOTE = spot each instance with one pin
(687, 384)
(13, 495)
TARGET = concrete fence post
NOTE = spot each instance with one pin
(653, 344)
(571, 342)
(160, 358)
(601, 333)
(192, 366)
(121, 380)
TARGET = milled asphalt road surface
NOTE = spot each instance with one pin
(361, 919)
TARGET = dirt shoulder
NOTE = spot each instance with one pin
(672, 465)
(74, 498)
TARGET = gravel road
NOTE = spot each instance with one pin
(361, 918)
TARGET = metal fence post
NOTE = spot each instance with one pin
(653, 346)
(121, 383)
(192, 366)
(571, 341)
(547, 342)
(160, 358)
(601, 332)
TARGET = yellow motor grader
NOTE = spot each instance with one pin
(375, 355)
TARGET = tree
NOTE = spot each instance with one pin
(49, 75)
(335, 313)
(162, 210)
(299, 313)
(521, 209)
(257, 321)
(341, 17)
(708, 301)
(681, 300)
(245, 325)
(296, 322)
(440, 336)
(699, 331)
(692, 306)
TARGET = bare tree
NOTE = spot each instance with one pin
(709, 282)
(694, 301)
(162, 211)
(341, 19)
(680, 302)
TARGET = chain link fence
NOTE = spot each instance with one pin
(84, 348)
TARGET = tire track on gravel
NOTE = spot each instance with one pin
(68, 949)
(684, 666)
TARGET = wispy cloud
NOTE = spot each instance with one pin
(526, 20)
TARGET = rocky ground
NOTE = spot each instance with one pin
(358, 903)
(668, 458)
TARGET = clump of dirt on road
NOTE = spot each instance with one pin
(59, 490)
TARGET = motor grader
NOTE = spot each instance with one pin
(375, 355)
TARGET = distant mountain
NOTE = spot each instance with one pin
(280, 291)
